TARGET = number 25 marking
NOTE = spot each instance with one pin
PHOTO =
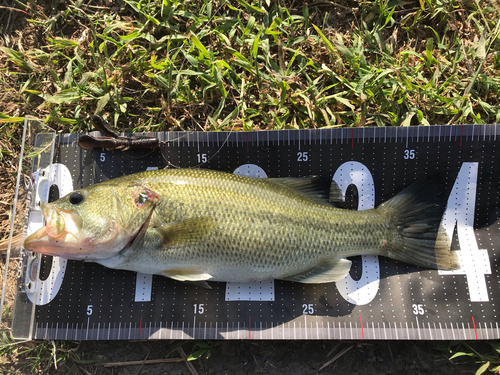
(302, 156)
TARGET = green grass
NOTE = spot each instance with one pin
(215, 65)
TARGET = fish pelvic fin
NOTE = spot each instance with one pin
(187, 275)
(419, 238)
(326, 272)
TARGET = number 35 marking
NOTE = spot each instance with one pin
(409, 154)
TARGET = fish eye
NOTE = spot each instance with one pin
(76, 198)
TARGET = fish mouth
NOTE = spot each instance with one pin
(59, 236)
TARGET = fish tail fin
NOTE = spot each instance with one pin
(416, 215)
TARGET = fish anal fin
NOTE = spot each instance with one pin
(326, 272)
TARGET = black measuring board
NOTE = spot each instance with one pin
(380, 299)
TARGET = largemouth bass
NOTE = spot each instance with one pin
(198, 225)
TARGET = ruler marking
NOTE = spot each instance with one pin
(430, 330)
(288, 134)
(67, 330)
(407, 331)
(362, 331)
(328, 329)
(407, 134)
(486, 330)
(418, 328)
(98, 329)
(310, 138)
(257, 135)
(299, 139)
(474, 325)
(249, 327)
(418, 133)
(198, 141)
(441, 329)
(267, 133)
(331, 136)
(396, 331)
(428, 134)
(385, 332)
(363, 135)
(294, 332)
(484, 137)
(248, 147)
(194, 327)
(305, 325)
(317, 329)
(463, 330)
(352, 138)
(439, 134)
(340, 332)
(57, 327)
(385, 134)
(260, 330)
(461, 133)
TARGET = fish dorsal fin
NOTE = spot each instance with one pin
(316, 188)
(183, 232)
(326, 272)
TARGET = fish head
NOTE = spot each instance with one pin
(94, 223)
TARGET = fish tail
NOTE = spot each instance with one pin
(416, 215)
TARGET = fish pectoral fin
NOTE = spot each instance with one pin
(327, 272)
(187, 275)
(186, 231)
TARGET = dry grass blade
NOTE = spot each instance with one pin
(337, 356)
(189, 365)
(145, 362)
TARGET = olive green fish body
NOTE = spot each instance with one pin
(195, 225)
